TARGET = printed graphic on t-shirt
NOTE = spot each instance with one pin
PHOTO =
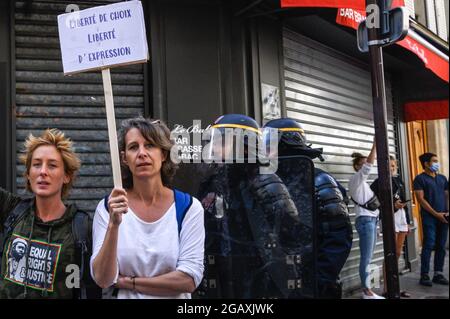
(42, 261)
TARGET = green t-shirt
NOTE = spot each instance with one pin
(37, 254)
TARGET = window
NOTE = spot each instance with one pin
(420, 12)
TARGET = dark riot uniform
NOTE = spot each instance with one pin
(251, 247)
(335, 234)
(334, 231)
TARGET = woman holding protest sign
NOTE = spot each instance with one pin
(40, 241)
(148, 238)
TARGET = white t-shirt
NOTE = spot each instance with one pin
(360, 191)
(152, 249)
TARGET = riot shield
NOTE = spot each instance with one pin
(297, 173)
(259, 233)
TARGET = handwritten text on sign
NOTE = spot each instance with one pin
(102, 37)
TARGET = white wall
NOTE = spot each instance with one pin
(419, 11)
(410, 6)
(447, 14)
(441, 22)
(430, 10)
(438, 143)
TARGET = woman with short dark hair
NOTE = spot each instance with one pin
(140, 245)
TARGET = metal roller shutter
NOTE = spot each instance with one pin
(441, 21)
(45, 98)
(331, 97)
(430, 10)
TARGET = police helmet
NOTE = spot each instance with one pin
(234, 138)
(291, 138)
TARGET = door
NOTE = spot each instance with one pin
(417, 143)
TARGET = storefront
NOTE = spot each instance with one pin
(331, 96)
(325, 74)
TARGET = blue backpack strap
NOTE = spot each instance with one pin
(80, 231)
(183, 202)
(105, 203)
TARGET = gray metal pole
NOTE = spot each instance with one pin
(384, 174)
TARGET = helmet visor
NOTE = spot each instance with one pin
(270, 139)
(231, 145)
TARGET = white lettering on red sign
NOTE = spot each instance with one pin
(419, 51)
(352, 14)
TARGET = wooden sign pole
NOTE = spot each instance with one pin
(81, 51)
(112, 132)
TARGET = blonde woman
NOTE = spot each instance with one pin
(39, 243)
(401, 216)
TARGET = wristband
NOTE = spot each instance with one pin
(133, 279)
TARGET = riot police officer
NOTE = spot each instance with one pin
(334, 227)
(250, 219)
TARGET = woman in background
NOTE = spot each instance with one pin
(401, 216)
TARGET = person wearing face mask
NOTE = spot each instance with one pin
(431, 190)
(148, 238)
(401, 216)
(366, 211)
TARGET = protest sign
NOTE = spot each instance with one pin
(100, 38)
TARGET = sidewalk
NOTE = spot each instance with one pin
(410, 283)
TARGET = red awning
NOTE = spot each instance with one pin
(352, 12)
(433, 59)
(357, 5)
(426, 110)
(354, 4)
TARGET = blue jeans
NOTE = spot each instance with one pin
(367, 230)
(434, 238)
